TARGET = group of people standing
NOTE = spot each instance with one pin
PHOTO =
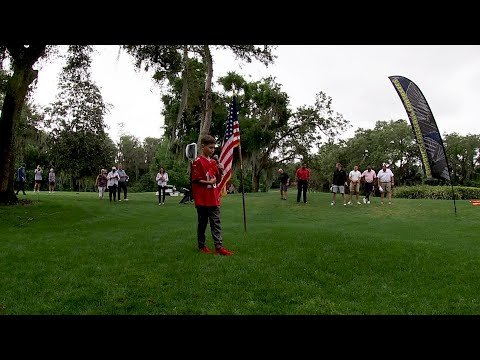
(302, 177)
(21, 179)
(115, 181)
(383, 179)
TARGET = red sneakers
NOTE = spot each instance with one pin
(223, 251)
(205, 250)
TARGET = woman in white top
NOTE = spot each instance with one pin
(38, 179)
(162, 179)
(112, 183)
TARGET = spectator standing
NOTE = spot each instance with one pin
(368, 177)
(354, 176)
(284, 183)
(112, 183)
(122, 182)
(38, 179)
(385, 181)
(338, 183)
(302, 176)
(101, 183)
(21, 179)
(162, 180)
(51, 181)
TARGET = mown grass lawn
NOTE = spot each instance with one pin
(71, 253)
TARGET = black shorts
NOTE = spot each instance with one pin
(38, 181)
(52, 183)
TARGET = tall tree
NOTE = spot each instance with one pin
(463, 156)
(243, 53)
(170, 60)
(271, 132)
(182, 120)
(23, 57)
(131, 155)
(389, 142)
(76, 119)
(150, 146)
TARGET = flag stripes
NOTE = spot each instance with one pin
(230, 141)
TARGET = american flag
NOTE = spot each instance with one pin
(230, 141)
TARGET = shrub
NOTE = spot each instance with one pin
(437, 192)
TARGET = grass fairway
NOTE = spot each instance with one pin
(70, 253)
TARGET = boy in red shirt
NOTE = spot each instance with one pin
(206, 173)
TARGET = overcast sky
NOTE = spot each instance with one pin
(355, 77)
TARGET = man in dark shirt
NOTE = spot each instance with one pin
(284, 182)
(338, 183)
(21, 179)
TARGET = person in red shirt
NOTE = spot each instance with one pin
(206, 173)
(302, 176)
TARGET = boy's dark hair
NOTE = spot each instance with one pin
(207, 140)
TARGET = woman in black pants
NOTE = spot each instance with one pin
(162, 179)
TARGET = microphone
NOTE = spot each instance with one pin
(215, 157)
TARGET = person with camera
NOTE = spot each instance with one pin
(38, 179)
(112, 183)
(162, 180)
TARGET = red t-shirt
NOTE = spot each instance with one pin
(303, 174)
(204, 194)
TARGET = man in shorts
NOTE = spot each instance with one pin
(284, 182)
(338, 183)
(385, 180)
(354, 177)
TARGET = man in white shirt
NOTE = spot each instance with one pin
(354, 177)
(385, 181)
(112, 184)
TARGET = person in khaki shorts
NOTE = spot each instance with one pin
(385, 181)
(354, 177)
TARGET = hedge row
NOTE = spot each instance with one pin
(437, 192)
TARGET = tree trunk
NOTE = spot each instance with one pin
(255, 179)
(255, 183)
(207, 118)
(17, 87)
(184, 99)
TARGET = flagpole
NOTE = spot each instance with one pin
(450, 176)
(243, 188)
(241, 171)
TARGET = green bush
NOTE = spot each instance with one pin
(437, 192)
(145, 183)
